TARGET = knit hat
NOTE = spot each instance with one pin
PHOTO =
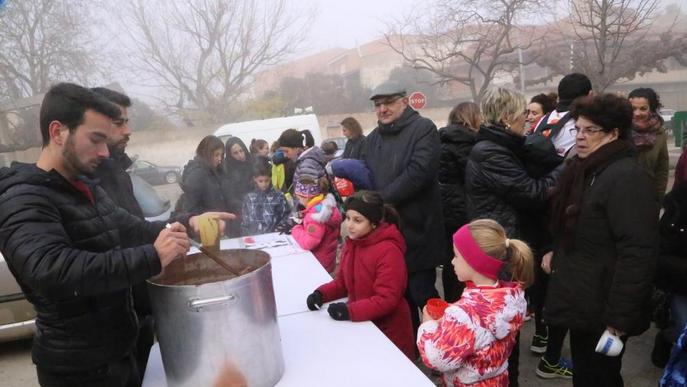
(373, 212)
(307, 189)
(468, 248)
(292, 138)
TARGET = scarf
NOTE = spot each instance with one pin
(567, 195)
(644, 131)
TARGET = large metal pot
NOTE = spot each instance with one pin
(213, 326)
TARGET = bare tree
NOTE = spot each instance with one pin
(41, 42)
(612, 40)
(203, 53)
(465, 41)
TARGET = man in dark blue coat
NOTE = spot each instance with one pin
(403, 156)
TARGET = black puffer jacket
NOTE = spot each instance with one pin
(605, 278)
(404, 158)
(202, 186)
(117, 182)
(354, 148)
(671, 274)
(496, 180)
(64, 252)
(457, 141)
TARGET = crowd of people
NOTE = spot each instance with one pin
(547, 210)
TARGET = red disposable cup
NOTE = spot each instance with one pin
(436, 307)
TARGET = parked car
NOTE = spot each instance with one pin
(155, 174)
(17, 315)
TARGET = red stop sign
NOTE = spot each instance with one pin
(417, 100)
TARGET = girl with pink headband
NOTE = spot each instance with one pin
(471, 342)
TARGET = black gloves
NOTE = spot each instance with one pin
(339, 311)
(285, 226)
(314, 300)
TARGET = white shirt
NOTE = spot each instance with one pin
(564, 140)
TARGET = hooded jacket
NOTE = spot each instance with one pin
(202, 186)
(64, 250)
(457, 141)
(373, 275)
(238, 175)
(310, 165)
(404, 158)
(471, 343)
(354, 170)
(319, 232)
(116, 181)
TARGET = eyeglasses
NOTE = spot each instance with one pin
(121, 121)
(586, 132)
(386, 101)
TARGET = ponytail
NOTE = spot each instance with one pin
(492, 240)
(521, 262)
(371, 205)
(391, 215)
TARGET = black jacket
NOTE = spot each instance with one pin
(456, 143)
(496, 181)
(354, 148)
(404, 158)
(605, 278)
(671, 274)
(237, 182)
(117, 183)
(65, 253)
(203, 190)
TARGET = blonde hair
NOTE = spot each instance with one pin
(491, 238)
(502, 106)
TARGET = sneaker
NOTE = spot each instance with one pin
(539, 344)
(563, 369)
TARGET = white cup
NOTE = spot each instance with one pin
(609, 344)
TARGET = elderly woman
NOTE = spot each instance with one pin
(497, 183)
(351, 129)
(604, 222)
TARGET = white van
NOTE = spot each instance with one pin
(269, 129)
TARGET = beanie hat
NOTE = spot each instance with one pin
(307, 189)
(292, 138)
(468, 248)
(573, 85)
(373, 212)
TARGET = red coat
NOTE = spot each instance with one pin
(373, 275)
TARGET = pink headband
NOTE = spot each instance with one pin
(477, 259)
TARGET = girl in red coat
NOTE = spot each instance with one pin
(372, 272)
(471, 342)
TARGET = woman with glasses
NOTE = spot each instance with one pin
(604, 223)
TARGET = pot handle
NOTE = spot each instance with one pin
(198, 304)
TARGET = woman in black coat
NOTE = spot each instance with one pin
(238, 179)
(202, 178)
(356, 139)
(605, 228)
(457, 140)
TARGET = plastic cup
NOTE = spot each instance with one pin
(436, 307)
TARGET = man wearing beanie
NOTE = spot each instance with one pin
(557, 124)
(402, 153)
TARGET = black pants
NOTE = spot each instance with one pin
(554, 345)
(453, 288)
(514, 363)
(420, 289)
(118, 373)
(593, 369)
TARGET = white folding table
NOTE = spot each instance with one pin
(318, 351)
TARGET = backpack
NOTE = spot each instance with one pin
(540, 154)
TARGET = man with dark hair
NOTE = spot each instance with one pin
(61, 236)
(403, 155)
(557, 124)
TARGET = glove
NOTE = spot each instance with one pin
(285, 226)
(339, 311)
(314, 300)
